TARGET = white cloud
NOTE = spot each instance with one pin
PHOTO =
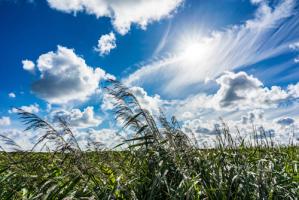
(5, 121)
(293, 90)
(266, 35)
(201, 132)
(65, 77)
(77, 118)
(240, 98)
(150, 103)
(236, 92)
(103, 138)
(106, 43)
(108, 102)
(294, 46)
(123, 13)
(242, 101)
(28, 65)
(25, 140)
(235, 86)
(106, 138)
(253, 117)
(187, 115)
(200, 126)
(256, 1)
(242, 91)
(34, 108)
(256, 127)
(12, 95)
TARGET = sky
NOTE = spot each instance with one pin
(201, 61)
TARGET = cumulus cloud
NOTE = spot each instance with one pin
(187, 115)
(108, 102)
(106, 43)
(243, 90)
(65, 77)
(294, 46)
(34, 108)
(205, 132)
(24, 140)
(268, 34)
(77, 118)
(151, 103)
(28, 65)
(12, 95)
(104, 138)
(122, 13)
(236, 92)
(281, 130)
(252, 117)
(293, 90)
(235, 86)
(5, 121)
(201, 132)
(256, 122)
(249, 103)
(198, 126)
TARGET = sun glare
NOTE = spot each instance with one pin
(193, 49)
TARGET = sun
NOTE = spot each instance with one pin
(192, 51)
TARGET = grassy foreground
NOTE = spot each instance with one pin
(211, 174)
(160, 162)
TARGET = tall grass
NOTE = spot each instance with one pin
(159, 162)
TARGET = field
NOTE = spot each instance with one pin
(159, 162)
(263, 173)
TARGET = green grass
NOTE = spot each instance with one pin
(264, 173)
(159, 162)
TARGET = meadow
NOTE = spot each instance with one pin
(159, 162)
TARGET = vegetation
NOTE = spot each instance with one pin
(160, 162)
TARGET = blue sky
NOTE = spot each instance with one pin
(196, 59)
